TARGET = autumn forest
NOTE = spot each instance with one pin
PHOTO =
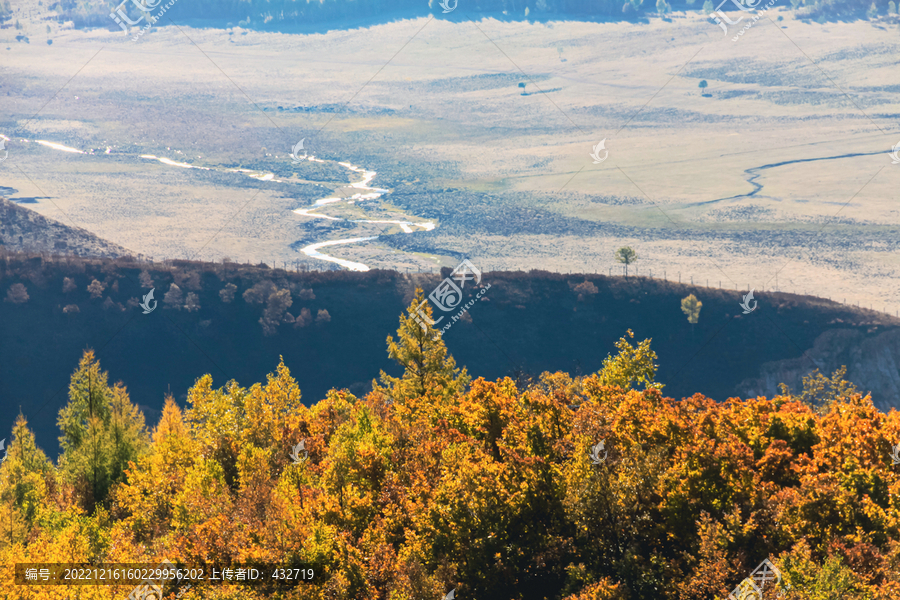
(559, 487)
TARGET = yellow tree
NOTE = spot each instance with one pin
(690, 306)
(428, 369)
(146, 499)
(26, 472)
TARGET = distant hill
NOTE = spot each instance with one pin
(283, 15)
(23, 230)
(234, 321)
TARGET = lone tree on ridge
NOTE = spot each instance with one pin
(626, 255)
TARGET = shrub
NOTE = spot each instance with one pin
(110, 303)
(17, 294)
(96, 289)
(585, 289)
(323, 316)
(304, 319)
(227, 293)
(192, 303)
(273, 316)
(259, 293)
(173, 298)
(69, 285)
(71, 309)
(189, 280)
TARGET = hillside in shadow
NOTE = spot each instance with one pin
(234, 321)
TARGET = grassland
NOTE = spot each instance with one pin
(783, 169)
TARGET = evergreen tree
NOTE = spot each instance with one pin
(101, 432)
(419, 349)
(127, 433)
(24, 475)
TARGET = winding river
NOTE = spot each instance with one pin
(362, 192)
(365, 193)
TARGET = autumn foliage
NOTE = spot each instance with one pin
(434, 481)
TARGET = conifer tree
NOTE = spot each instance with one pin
(101, 431)
(157, 477)
(24, 474)
(127, 433)
(428, 367)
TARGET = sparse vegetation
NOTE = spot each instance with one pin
(17, 294)
(227, 293)
(587, 288)
(174, 298)
(96, 289)
(192, 302)
(145, 279)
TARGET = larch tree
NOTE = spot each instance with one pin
(428, 369)
(127, 433)
(101, 431)
(157, 477)
(25, 473)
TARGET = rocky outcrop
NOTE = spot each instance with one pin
(873, 365)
